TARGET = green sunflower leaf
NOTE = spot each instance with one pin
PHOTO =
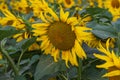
(47, 66)
(7, 32)
(90, 72)
(26, 43)
(104, 31)
(5, 76)
(97, 12)
(19, 78)
(3, 61)
(117, 25)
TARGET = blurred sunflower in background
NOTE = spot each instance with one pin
(68, 3)
(15, 21)
(61, 36)
(20, 6)
(112, 5)
(94, 43)
(112, 62)
(38, 7)
(61, 28)
(3, 6)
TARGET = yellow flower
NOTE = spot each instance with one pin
(38, 7)
(21, 6)
(91, 3)
(59, 1)
(61, 35)
(11, 20)
(114, 7)
(55, 1)
(26, 35)
(68, 3)
(19, 24)
(112, 62)
(3, 6)
(85, 20)
(94, 43)
(100, 3)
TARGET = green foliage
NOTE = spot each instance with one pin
(26, 43)
(19, 78)
(104, 31)
(91, 72)
(47, 66)
(19, 63)
(7, 32)
(99, 13)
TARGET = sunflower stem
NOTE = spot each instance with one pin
(20, 59)
(65, 78)
(79, 69)
(11, 62)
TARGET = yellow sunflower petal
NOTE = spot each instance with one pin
(40, 32)
(102, 57)
(71, 20)
(70, 57)
(42, 38)
(49, 18)
(63, 16)
(107, 44)
(112, 73)
(65, 57)
(53, 14)
(102, 49)
(79, 51)
(39, 25)
(9, 14)
(106, 65)
(19, 39)
(55, 54)
(74, 57)
(1, 56)
(43, 44)
(43, 18)
(116, 60)
(17, 35)
(48, 49)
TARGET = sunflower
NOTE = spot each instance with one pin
(112, 62)
(100, 3)
(38, 6)
(12, 20)
(18, 23)
(55, 1)
(91, 3)
(3, 6)
(61, 35)
(25, 35)
(21, 6)
(68, 3)
(114, 7)
(94, 43)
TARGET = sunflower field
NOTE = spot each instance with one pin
(59, 39)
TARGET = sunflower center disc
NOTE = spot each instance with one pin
(68, 1)
(61, 35)
(115, 4)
